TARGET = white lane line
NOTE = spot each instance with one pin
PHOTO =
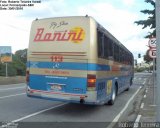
(142, 105)
(150, 82)
(144, 96)
(144, 82)
(138, 118)
(11, 88)
(146, 90)
(121, 112)
(136, 124)
(39, 112)
(12, 95)
(12, 84)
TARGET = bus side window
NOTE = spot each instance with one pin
(116, 52)
(100, 43)
(108, 48)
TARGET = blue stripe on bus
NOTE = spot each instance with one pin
(70, 66)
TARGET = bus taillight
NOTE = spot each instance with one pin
(91, 80)
(27, 76)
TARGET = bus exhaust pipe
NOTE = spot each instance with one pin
(82, 101)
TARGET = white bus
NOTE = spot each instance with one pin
(75, 59)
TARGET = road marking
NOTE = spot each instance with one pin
(144, 82)
(146, 90)
(153, 105)
(122, 111)
(12, 95)
(142, 105)
(144, 96)
(136, 124)
(13, 84)
(39, 112)
(11, 88)
(150, 81)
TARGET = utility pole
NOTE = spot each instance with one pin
(158, 58)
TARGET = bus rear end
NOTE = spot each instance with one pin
(58, 64)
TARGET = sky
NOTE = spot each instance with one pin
(117, 16)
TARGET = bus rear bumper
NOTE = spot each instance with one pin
(89, 98)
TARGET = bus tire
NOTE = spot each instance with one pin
(113, 97)
(127, 89)
(130, 83)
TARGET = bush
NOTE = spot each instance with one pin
(11, 70)
(16, 67)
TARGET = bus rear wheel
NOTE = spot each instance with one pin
(113, 97)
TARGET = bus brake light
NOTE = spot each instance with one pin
(91, 80)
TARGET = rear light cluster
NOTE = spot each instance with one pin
(91, 80)
(27, 76)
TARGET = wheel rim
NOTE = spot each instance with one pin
(113, 95)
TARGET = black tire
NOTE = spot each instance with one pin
(113, 97)
(127, 89)
(131, 82)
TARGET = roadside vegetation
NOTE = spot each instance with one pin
(18, 65)
(150, 22)
(144, 69)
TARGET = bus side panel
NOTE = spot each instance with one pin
(104, 89)
(107, 79)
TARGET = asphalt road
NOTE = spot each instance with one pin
(16, 107)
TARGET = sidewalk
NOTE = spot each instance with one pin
(147, 112)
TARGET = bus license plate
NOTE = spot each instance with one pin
(56, 87)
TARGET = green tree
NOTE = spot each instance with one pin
(150, 22)
(22, 55)
(147, 59)
(17, 66)
(11, 69)
(20, 60)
